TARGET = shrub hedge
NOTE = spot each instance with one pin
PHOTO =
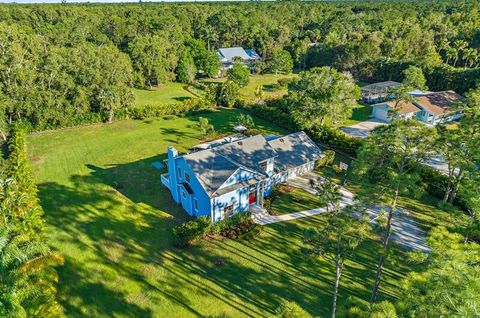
(234, 227)
(149, 111)
(137, 112)
(184, 234)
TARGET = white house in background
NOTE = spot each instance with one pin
(384, 111)
(227, 55)
(429, 108)
(438, 108)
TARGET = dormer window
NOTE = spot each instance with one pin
(264, 165)
(187, 178)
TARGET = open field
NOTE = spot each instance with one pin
(167, 93)
(172, 92)
(248, 92)
(109, 216)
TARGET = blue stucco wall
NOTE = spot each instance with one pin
(198, 191)
(237, 198)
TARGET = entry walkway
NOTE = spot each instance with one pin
(405, 231)
(263, 218)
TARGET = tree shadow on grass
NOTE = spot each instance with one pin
(119, 257)
(95, 225)
(96, 298)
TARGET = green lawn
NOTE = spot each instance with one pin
(167, 93)
(248, 92)
(108, 214)
(294, 200)
(360, 113)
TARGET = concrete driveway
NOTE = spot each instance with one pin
(363, 129)
(405, 231)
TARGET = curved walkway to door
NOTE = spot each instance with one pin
(405, 231)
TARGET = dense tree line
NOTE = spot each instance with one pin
(68, 64)
(27, 278)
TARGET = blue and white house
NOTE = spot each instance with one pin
(235, 173)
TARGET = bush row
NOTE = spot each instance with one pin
(335, 138)
(150, 111)
(134, 112)
(233, 227)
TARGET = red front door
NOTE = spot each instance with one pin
(252, 198)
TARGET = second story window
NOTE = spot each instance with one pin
(187, 178)
(179, 172)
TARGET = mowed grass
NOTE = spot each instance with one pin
(360, 112)
(167, 93)
(248, 92)
(108, 214)
(295, 200)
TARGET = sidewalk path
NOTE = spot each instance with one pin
(405, 231)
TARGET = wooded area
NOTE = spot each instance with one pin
(62, 65)
(121, 240)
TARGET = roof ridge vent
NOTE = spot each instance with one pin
(240, 143)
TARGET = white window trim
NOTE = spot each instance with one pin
(195, 204)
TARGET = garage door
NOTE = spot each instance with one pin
(381, 113)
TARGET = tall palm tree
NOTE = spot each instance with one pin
(470, 56)
(459, 45)
(451, 53)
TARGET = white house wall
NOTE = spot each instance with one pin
(381, 112)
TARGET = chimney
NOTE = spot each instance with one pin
(172, 173)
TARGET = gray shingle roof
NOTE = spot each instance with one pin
(248, 152)
(211, 169)
(230, 52)
(214, 166)
(294, 150)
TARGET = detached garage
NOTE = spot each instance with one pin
(380, 112)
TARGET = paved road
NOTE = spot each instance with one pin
(405, 231)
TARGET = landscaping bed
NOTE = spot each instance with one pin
(235, 227)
